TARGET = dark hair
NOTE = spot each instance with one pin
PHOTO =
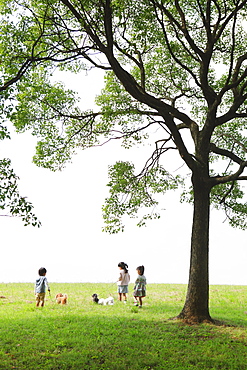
(141, 269)
(42, 271)
(124, 266)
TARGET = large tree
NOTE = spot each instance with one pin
(175, 73)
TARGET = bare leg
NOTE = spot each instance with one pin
(136, 301)
(119, 296)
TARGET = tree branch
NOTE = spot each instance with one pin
(227, 193)
(225, 153)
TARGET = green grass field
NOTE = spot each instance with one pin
(83, 335)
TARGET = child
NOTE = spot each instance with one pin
(123, 281)
(140, 286)
(40, 286)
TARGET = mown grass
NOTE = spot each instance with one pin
(83, 335)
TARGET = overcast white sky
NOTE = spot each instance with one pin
(70, 243)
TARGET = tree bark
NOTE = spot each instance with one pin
(196, 304)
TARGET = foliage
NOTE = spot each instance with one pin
(130, 192)
(10, 199)
(171, 67)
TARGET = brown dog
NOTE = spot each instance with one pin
(61, 298)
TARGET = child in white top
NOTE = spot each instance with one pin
(123, 281)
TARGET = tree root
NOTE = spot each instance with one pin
(194, 320)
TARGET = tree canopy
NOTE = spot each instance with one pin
(12, 203)
(173, 68)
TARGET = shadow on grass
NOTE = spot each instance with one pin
(115, 338)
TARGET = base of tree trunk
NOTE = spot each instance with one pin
(193, 320)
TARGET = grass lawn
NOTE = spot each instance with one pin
(83, 335)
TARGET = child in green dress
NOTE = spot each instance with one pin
(140, 287)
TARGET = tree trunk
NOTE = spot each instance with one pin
(196, 304)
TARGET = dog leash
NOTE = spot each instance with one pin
(112, 294)
(51, 297)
